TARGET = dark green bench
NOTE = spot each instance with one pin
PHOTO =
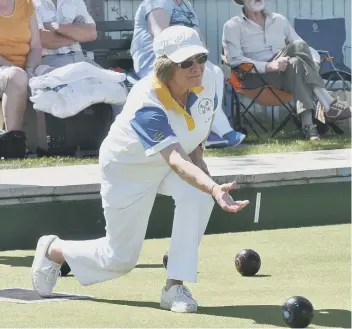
(109, 52)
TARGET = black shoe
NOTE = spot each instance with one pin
(13, 145)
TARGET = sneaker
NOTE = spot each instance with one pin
(44, 271)
(338, 111)
(215, 141)
(178, 299)
(234, 138)
(311, 132)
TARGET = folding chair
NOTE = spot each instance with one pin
(328, 37)
(264, 95)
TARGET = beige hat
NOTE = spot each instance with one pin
(239, 2)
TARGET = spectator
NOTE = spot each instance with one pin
(151, 149)
(20, 54)
(151, 18)
(268, 40)
(62, 29)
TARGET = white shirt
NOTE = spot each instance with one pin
(66, 11)
(151, 120)
(245, 41)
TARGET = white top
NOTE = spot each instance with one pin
(151, 120)
(66, 11)
(245, 41)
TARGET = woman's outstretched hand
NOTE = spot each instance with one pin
(223, 198)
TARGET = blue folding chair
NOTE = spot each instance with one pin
(328, 37)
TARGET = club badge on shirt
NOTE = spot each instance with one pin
(206, 108)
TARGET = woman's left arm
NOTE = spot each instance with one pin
(197, 158)
(34, 56)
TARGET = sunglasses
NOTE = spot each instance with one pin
(188, 63)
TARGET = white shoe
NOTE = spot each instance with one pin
(44, 271)
(178, 299)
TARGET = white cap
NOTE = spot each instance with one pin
(178, 43)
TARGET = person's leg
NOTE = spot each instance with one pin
(300, 49)
(311, 79)
(192, 212)
(127, 201)
(14, 93)
(14, 98)
(299, 79)
(294, 83)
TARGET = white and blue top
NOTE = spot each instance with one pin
(151, 120)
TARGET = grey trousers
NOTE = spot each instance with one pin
(65, 59)
(299, 78)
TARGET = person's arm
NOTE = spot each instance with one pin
(74, 32)
(231, 42)
(83, 29)
(181, 164)
(53, 40)
(49, 38)
(290, 33)
(197, 158)
(158, 20)
(5, 62)
(34, 56)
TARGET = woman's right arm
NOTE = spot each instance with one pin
(181, 164)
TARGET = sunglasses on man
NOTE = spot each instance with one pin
(188, 63)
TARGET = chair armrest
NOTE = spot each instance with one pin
(325, 52)
(246, 67)
(242, 70)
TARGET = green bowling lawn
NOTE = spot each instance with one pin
(312, 262)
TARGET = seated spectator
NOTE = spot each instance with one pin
(20, 54)
(62, 29)
(268, 41)
(152, 17)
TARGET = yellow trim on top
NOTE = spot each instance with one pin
(166, 99)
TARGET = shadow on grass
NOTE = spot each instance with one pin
(27, 261)
(14, 261)
(260, 314)
(149, 266)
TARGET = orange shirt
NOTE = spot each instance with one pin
(15, 33)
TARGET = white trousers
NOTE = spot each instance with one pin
(221, 125)
(128, 200)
